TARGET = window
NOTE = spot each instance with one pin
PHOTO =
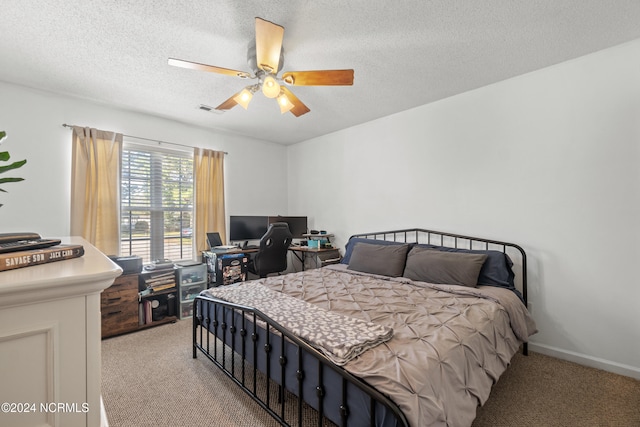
(156, 202)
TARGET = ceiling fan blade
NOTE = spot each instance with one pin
(229, 103)
(203, 67)
(298, 107)
(268, 45)
(319, 78)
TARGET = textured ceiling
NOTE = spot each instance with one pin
(404, 54)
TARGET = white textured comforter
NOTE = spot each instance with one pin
(450, 343)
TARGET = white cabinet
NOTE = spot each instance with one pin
(50, 348)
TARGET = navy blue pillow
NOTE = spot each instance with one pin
(496, 270)
(348, 249)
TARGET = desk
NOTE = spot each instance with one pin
(326, 255)
(233, 251)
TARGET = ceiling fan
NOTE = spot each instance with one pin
(266, 58)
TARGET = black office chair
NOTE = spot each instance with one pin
(272, 253)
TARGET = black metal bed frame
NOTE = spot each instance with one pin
(233, 337)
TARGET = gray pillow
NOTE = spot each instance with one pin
(450, 268)
(353, 241)
(386, 260)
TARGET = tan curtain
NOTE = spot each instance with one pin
(208, 167)
(95, 187)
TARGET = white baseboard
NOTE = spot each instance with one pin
(582, 359)
(104, 422)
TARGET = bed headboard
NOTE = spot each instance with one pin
(459, 241)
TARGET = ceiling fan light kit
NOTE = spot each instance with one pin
(266, 59)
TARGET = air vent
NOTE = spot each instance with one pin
(209, 109)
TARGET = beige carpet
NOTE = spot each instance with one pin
(150, 379)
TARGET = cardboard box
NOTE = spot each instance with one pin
(231, 269)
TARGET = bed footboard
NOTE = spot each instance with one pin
(282, 373)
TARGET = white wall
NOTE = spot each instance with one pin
(33, 121)
(549, 160)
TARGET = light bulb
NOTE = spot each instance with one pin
(244, 98)
(284, 103)
(270, 87)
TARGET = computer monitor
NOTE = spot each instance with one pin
(247, 227)
(297, 224)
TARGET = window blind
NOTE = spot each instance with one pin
(156, 203)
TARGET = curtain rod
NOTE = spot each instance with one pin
(145, 139)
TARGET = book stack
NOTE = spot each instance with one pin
(158, 280)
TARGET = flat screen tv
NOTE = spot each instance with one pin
(247, 227)
(297, 224)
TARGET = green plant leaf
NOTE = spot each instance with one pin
(3, 180)
(4, 156)
(14, 165)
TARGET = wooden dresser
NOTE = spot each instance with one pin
(119, 306)
(122, 306)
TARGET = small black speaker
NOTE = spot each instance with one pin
(171, 305)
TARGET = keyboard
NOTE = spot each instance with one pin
(14, 242)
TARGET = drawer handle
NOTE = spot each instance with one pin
(114, 299)
(111, 313)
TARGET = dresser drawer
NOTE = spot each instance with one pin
(119, 306)
(116, 321)
(118, 297)
(123, 290)
(128, 281)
